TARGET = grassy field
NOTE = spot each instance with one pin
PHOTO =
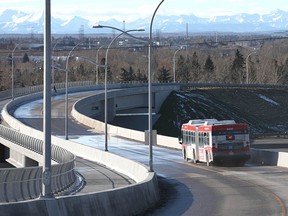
(265, 110)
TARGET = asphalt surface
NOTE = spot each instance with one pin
(96, 176)
(194, 189)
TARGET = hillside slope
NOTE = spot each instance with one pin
(265, 110)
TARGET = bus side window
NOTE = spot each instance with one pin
(185, 137)
(193, 137)
(206, 138)
(201, 140)
(190, 137)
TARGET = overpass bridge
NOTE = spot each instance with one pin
(21, 158)
(118, 100)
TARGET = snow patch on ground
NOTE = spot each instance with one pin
(268, 99)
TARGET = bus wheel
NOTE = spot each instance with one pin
(207, 159)
(194, 157)
(240, 163)
(185, 155)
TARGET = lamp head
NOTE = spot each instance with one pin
(98, 26)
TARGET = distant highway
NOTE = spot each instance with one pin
(188, 189)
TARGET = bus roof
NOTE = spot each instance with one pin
(211, 123)
(198, 122)
(201, 121)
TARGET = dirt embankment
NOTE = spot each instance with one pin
(265, 110)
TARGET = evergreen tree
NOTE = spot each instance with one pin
(209, 69)
(282, 72)
(237, 69)
(128, 76)
(141, 77)
(25, 58)
(195, 68)
(209, 65)
(80, 70)
(182, 72)
(164, 75)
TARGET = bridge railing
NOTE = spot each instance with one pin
(26, 183)
(7, 94)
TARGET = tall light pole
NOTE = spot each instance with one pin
(247, 69)
(174, 64)
(47, 171)
(106, 71)
(150, 94)
(66, 90)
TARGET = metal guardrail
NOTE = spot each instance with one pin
(26, 183)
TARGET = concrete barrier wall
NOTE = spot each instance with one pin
(269, 157)
(129, 200)
(282, 159)
(79, 115)
(264, 157)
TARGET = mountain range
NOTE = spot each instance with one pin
(19, 22)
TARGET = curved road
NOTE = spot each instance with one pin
(187, 189)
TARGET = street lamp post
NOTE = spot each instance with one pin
(106, 71)
(247, 69)
(174, 63)
(47, 170)
(150, 94)
(66, 91)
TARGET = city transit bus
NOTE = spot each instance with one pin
(210, 140)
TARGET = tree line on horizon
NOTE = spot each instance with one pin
(267, 64)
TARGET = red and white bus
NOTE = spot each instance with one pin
(207, 140)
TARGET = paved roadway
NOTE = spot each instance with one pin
(186, 188)
(97, 177)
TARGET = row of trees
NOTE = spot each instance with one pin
(268, 64)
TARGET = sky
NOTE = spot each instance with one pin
(129, 10)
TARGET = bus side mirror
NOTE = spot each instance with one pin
(180, 140)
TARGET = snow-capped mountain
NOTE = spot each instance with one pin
(17, 22)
